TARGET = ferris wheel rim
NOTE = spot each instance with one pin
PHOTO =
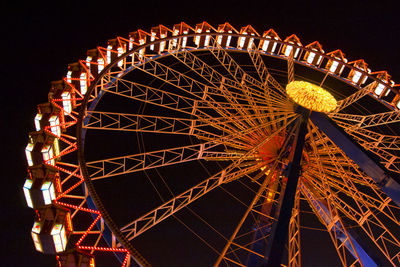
(81, 132)
(121, 237)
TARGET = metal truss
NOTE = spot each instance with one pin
(238, 124)
(362, 214)
(262, 200)
(355, 96)
(290, 63)
(227, 175)
(365, 121)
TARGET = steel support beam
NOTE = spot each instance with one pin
(358, 244)
(279, 232)
(359, 155)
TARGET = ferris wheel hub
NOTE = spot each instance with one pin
(270, 150)
(311, 96)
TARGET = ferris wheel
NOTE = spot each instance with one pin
(212, 146)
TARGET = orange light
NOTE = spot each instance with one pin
(311, 96)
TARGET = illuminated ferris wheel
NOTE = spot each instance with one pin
(225, 147)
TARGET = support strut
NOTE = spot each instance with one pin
(280, 229)
(387, 182)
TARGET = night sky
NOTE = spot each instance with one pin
(39, 40)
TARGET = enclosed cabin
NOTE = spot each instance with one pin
(382, 88)
(75, 258)
(336, 62)
(137, 39)
(115, 48)
(157, 33)
(392, 95)
(78, 76)
(63, 95)
(42, 148)
(269, 44)
(42, 186)
(178, 30)
(247, 42)
(203, 40)
(291, 42)
(225, 38)
(94, 62)
(313, 56)
(50, 118)
(51, 229)
(359, 74)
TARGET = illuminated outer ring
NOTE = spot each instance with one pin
(81, 132)
(311, 96)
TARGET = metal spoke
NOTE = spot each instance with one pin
(231, 243)
(263, 73)
(264, 189)
(227, 175)
(362, 214)
(132, 163)
(182, 104)
(144, 161)
(218, 81)
(152, 218)
(242, 77)
(365, 121)
(355, 97)
(208, 73)
(169, 99)
(330, 216)
(376, 200)
(234, 69)
(175, 78)
(379, 144)
(102, 120)
(266, 77)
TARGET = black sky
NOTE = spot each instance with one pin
(40, 39)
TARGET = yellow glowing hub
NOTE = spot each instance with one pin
(311, 96)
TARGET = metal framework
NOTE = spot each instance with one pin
(212, 120)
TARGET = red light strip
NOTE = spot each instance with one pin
(46, 128)
(87, 69)
(87, 231)
(62, 153)
(58, 261)
(103, 249)
(126, 259)
(66, 124)
(78, 79)
(73, 147)
(77, 207)
(67, 171)
(61, 100)
(73, 86)
(66, 151)
(69, 190)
